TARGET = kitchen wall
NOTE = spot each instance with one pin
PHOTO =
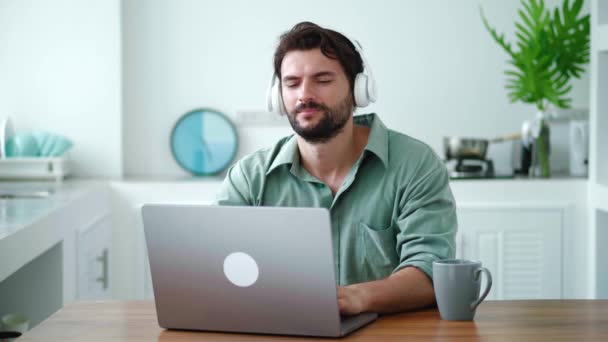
(60, 70)
(115, 75)
(438, 71)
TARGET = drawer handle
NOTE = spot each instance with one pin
(103, 259)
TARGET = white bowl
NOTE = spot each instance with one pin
(7, 130)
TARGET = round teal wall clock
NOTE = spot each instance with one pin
(204, 141)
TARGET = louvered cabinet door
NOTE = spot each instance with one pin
(522, 248)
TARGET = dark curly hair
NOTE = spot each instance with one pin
(334, 45)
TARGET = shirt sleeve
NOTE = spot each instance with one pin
(235, 189)
(427, 222)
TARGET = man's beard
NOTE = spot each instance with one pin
(331, 123)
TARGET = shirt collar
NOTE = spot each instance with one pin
(377, 143)
(288, 154)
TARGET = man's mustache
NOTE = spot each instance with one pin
(309, 105)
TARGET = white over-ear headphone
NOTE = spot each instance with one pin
(364, 87)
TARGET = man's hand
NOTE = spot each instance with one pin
(351, 300)
(407, 289)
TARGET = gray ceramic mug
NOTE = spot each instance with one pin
(457, 283)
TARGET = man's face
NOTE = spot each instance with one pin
(316, 93)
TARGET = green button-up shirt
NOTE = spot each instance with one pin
(394, 209)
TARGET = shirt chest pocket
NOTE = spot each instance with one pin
(378, 250)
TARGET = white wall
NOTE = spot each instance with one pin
(438, 70)
(60, 71)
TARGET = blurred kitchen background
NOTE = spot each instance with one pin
(114, 76)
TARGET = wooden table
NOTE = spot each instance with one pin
(548, 320)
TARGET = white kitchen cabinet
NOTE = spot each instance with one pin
(132, 280)
(93, 261)
(521, 246)
(484, 206)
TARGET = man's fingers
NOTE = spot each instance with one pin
(343, 306)
(344, 302)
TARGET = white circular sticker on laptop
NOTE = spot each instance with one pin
(241, 269)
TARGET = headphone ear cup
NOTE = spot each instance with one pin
(276, 100)
(280, 103)
(372, 90)
(360, 90)
(269, 97)
(272, 96)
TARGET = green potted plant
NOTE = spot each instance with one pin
(550, 49)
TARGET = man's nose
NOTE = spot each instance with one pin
(306, 92)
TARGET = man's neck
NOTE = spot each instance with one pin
(331, 161)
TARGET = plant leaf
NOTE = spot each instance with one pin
(552, 47)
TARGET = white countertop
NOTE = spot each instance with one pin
(30, 226)
(18, 213)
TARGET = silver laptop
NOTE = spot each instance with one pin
(245, 269)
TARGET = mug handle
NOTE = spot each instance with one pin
(486, 290)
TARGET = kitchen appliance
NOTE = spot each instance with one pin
(472, 148)
(569, 147)
(466, 157)
(521, 157)
(579, 147)
(470, 168)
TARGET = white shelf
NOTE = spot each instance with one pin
(602, 38)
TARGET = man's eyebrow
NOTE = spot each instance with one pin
(317, 75)
(290, 78)
(324, 73)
